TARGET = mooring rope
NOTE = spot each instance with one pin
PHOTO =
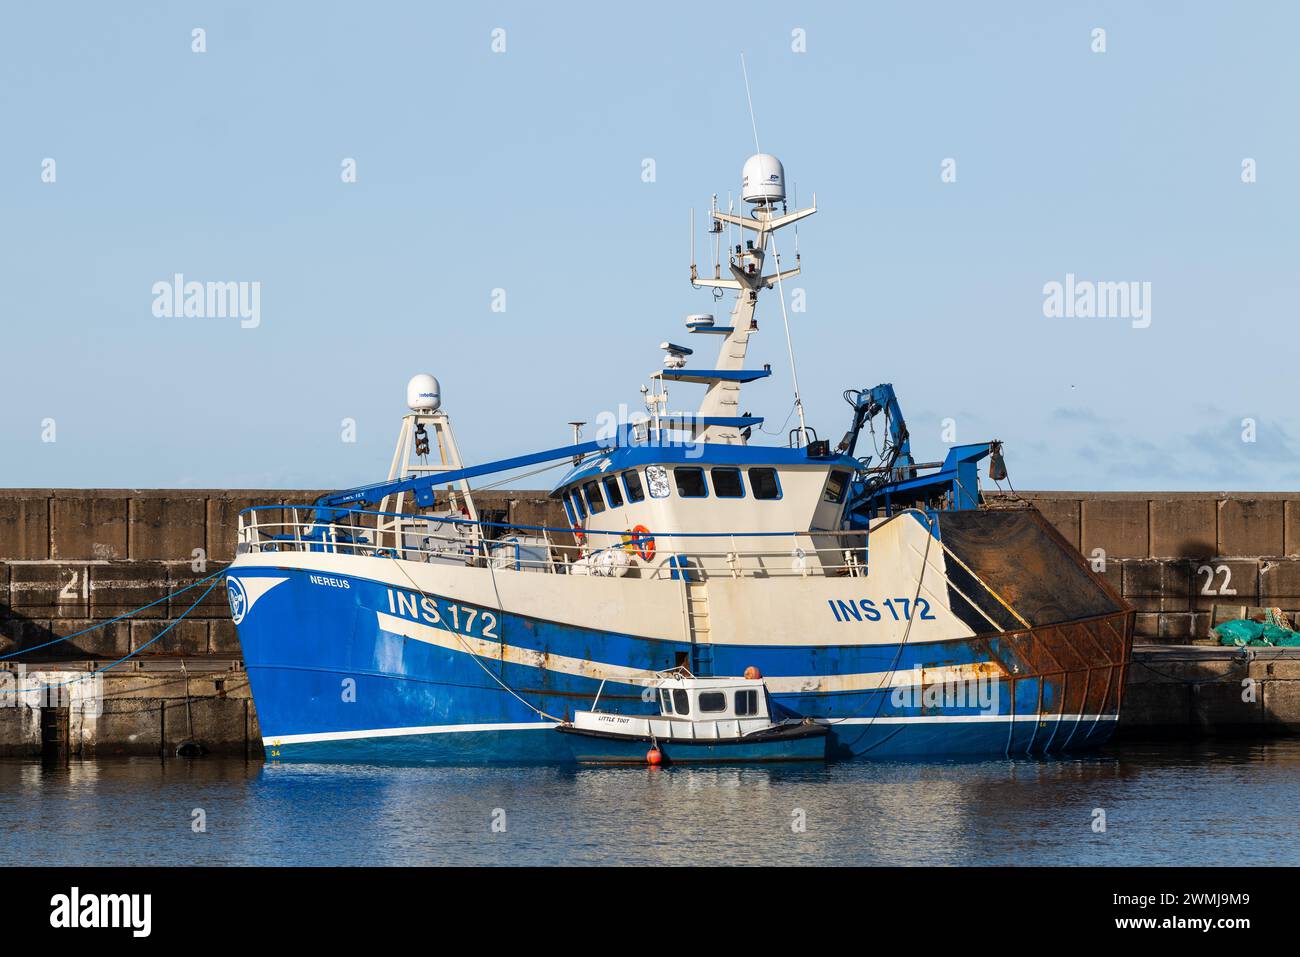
(86, 631)
(126, 657)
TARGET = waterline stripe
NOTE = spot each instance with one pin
(285, 739)
(399, 732)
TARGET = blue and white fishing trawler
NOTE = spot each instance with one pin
(888, 600)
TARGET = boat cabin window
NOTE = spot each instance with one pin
(665, 702)
(727, 483)
(681, 701)
(690, 483)
(579, 509)
(746, 702)
(835, 486)
(713, 701)
(568, 510)
(764, 483)
(592, 490)
(611, 491)
(656, 476)
(632, 482)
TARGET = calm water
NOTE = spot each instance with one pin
(1164, 803)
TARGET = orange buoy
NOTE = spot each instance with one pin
(752, 673)
(654, 757)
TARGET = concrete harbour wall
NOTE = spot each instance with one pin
(71, 558)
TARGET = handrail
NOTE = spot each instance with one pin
(475, 549)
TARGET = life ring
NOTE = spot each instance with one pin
(645, 542)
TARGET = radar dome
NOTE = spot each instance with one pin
(423, 394)
(763, 179)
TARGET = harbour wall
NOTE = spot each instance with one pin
(72, 558)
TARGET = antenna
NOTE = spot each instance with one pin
(752, 122)
(780, 286)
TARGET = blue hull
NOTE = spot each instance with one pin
(330, 684)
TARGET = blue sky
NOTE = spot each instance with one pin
(522, 171)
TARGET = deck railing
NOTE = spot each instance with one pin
(681, 556)
(540, 548)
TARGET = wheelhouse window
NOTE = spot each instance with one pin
(665, 702)
(835, 486)
(579, 509)
(764, 483)
(656, 476)
(592, 491)
(681, 701)
(690, 483)
(727, 483)
(746, 703)
(632, 482)
(611, 491)
(712, 702)
(568, 511)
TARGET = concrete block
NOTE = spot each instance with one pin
(1158, 585)
(1220, 582)
(1281, 705)
(223, 522)
(108, 641)
(1291, 527)
(1118, 526)
(1269, 665)
(1279, 584)
(1147, 625)
(1155, 705)
(220, 724)
(88, 527)
(186, 638)
(1183, 527)
(20, 730)
(24, 527)
(50, 591)
(1251, 527)
(1064, 514)
(1218, 706)
(214, 605)
(17, 632)
(168, 527)
(1175, 627)
(222, 637)
(120, 587)
(128, 726)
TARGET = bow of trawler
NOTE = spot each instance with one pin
(882, 599)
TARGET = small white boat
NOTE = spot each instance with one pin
(700, 721)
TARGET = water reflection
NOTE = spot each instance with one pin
(1163, 803)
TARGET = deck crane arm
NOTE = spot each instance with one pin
(867, 404)
(334, 504)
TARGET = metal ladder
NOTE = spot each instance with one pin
(697, 624)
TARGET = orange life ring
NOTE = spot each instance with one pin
(645, 543)
(577, 533)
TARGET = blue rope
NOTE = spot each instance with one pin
(114, 664)
(86, 631)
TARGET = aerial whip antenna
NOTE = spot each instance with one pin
(780, 286)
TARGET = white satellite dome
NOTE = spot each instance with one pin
(423, 394)
(763, 179)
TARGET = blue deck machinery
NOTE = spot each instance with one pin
(896, 481)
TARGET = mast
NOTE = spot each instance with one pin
(719, 417)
